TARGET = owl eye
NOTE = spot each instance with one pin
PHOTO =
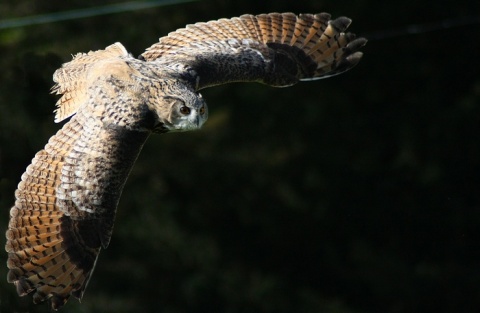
(202, 110)
(185, 110)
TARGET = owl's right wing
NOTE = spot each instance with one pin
(66, 201)
(278, 49)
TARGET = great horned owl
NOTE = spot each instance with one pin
(67, 198)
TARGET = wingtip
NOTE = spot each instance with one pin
(341, 23)
(357, 43)
(58, 301)
(348, 62)
(355, 57)
(323, 16)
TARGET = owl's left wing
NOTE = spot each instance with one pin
(276, 49)
(72, 78)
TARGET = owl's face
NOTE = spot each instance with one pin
(183, 113)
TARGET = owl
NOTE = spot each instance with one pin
(67, 198)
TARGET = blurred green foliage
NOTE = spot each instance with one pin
(355, 194)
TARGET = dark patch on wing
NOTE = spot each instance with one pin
(81, 241)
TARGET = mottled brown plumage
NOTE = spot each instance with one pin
(67, 198)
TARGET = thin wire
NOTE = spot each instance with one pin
(414, 29)
(82, 13)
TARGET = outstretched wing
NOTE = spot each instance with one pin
(48, 251)
(66, 201)
(277, 49)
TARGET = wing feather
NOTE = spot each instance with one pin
(251, 24)
(72, 79)
(67, 198)
(35, 244)
(277, 49)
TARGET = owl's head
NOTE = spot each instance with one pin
(183, 112)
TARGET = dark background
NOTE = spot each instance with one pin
(359, 193)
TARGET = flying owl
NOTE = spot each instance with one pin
(67, 198)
